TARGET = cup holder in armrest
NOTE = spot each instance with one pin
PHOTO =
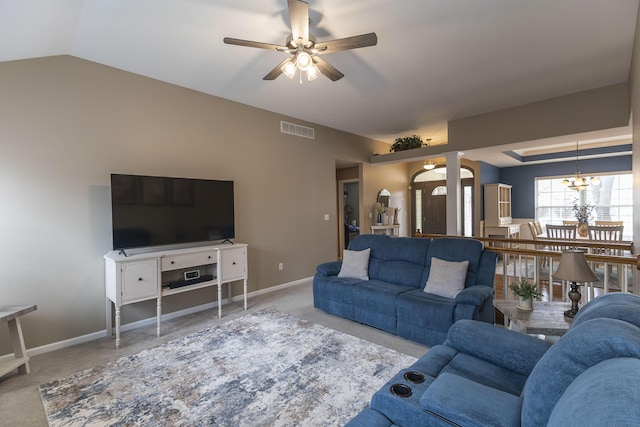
(414, 377)
(401, 390)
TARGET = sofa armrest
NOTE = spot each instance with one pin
(474, 295)
(456, 400)
(331, 268)
(496, 345)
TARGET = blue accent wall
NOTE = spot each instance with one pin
(521, 178)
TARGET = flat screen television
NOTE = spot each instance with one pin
(152, 211)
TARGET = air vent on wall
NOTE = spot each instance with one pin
(297, 130)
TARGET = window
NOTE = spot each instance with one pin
(613, 200)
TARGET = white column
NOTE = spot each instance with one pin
(454, 208)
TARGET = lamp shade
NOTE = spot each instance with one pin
(574, 268)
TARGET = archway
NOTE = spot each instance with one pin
(428, 201)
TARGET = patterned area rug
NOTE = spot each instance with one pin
(263, 369)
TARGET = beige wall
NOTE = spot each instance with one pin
(601, 108)
(66, 124)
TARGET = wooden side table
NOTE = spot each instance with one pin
(11, 315)
(546, 318)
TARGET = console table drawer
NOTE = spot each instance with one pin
(175, 262)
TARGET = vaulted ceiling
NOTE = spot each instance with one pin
(435, 60)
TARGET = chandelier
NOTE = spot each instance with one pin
(578, 182)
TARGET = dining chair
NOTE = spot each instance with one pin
(609, 222)
(607, 234)
(560, 232)
(534, 235)
(538, 226)
(567, 222)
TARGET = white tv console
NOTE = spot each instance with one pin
(145, 276)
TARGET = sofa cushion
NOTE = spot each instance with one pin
(615, 305)
(334, 295)
(401, 273)
(374, 304)
(456, 400)
(603, 395)
(446, 278)
(398, 260)
(355, 264)
(431, 325)
(457, 249)
(470, 337)
(583, 346)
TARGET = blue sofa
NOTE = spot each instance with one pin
(484, 375)
(393, 298)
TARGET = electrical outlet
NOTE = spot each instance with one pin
(281, 266)
(326, 217)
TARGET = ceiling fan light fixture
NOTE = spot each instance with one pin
(303, 60)
(289, 69)
(312, 73)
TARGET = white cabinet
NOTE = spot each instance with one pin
(155, 275)
(233, 264)
(497, 205)
(139, 281)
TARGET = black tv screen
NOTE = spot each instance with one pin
(151, 211)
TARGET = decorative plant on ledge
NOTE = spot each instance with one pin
(406, 143)
(527, 291)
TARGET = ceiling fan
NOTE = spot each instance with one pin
(303, 48)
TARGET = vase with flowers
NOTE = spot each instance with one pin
(583, 214)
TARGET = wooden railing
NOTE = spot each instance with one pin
(517, 252)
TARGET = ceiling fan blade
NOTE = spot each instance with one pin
(347, 43)
(299, 17)
(273, 74)
(249, 43)
(327, 69)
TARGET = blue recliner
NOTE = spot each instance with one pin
(484, 375)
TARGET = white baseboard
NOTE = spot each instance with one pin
(150, 321)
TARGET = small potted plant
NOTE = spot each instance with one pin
(527, 291)
(406, 143)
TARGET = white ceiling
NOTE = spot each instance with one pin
(436, 60)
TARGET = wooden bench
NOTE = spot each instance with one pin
(11, 315)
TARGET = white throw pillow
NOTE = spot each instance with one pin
(355, 264)
(446, 278)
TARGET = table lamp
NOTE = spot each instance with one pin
(573, 268)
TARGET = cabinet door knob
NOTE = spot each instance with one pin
(140, 279)
(173, 262)
(234, 263)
